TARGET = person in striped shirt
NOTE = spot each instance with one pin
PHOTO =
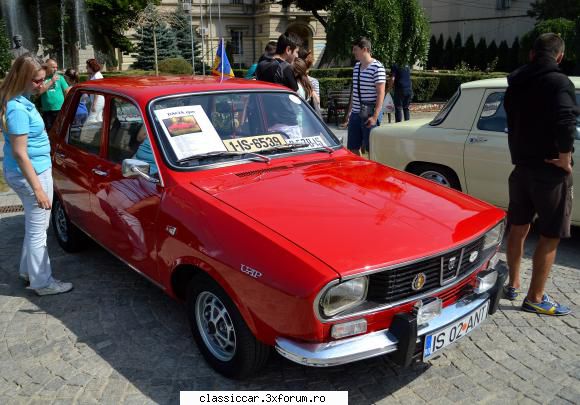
(368, 92)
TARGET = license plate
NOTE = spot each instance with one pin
(444, 337)
(254, 143)
(312, 141)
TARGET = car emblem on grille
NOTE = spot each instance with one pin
(473, 256)
(452, 263)
(419, 281)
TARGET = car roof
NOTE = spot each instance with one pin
(502, 82)
(145, 88)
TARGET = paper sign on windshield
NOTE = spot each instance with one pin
(189, 131)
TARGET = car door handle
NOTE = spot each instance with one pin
(477, 139)
(100, 173)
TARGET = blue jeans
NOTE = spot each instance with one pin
(402, 100)
(34, 260)
(358, 133)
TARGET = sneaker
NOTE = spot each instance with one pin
(547, 307)
(55, 287)
(511, 293)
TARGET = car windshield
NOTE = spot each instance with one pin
(205, 129)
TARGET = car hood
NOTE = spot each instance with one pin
(355, 215)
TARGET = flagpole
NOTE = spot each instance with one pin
(191, 37)
(210, 27)
(220, 35)
(201, 30)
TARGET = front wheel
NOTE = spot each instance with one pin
(68, 236)
(224, 339)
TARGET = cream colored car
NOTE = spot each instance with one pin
(465, 146)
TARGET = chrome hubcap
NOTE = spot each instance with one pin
(436, 177)
(61, 226)
(215, 326)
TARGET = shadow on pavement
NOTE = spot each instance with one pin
(118, 330)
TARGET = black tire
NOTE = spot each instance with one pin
(436, 173)
(247, 355)
(68, 236)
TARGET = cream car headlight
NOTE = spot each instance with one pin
(493, 237)
(344, 296)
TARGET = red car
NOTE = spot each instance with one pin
(234, 197)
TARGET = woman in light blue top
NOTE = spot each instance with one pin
(27, 170)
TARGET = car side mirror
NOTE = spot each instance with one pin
(137, 168)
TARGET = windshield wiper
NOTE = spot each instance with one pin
(252, 156)
(301, 145)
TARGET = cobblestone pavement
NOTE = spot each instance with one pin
(118, 339)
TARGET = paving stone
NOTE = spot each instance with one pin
(117, 340)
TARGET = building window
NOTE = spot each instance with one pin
(503, 4)
(237, 42)
(237, 1)
(260, 28)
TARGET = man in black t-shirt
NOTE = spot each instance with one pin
(541, 110)
(278, 69)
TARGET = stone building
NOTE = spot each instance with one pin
(248, 25)
(497, 20)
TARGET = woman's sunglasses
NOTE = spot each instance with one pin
(38, 81)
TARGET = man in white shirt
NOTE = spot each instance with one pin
(368, 92)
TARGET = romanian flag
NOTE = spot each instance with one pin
(221, 65)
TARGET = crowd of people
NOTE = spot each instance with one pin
(540, 134)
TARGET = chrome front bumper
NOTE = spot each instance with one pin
(388, 340)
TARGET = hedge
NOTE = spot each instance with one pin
(424, 88)
(332, 72)
(175, 66)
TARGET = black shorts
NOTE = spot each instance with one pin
(546, 191)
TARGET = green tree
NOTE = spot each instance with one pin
(414, 34)
(457, 50)
(398, 30)
(503, 57)
(432, 56)
(563, 27)
(110, 19)
(5, 55)
(166, 46)
(448, 54)
(515, 54)
(481, 54)
(469, 51)
(180, 25)
(314, 6)
(491, 55)
(440, 52)
(550, 9)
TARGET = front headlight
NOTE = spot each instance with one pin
(493, 237)
(344, 295)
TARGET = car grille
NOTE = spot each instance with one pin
(397, 284)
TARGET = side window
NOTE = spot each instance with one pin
(124, 127)
(493, 116)
(128, 135)
(85, 133)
